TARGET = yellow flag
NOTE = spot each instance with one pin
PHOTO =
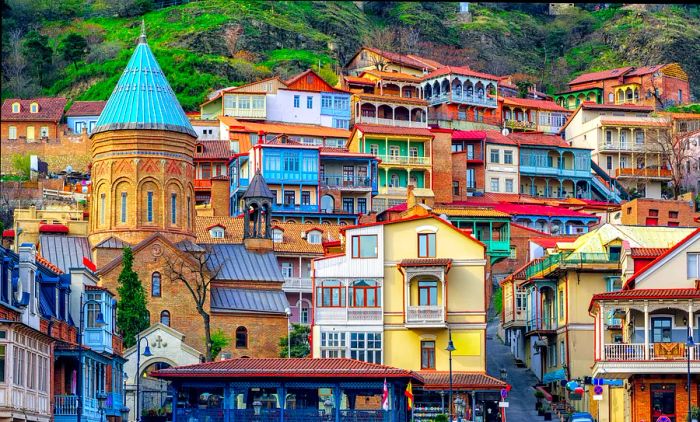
(409, 395)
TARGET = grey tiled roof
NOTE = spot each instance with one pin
(249, 300)
(236, 263)
(258, 188)
(65, 252)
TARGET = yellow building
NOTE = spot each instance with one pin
(395, 295)
(559, 331)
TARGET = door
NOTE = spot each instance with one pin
(663, 401)
(30, 133)
(348, 175)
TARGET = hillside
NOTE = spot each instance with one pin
(208, 44)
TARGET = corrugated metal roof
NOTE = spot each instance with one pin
(464, 380)
(235, 262)
(143, 99)
(65, 252)
(637, 236)
(250, 300)
(112, 243)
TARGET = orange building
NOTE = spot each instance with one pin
(32, 119)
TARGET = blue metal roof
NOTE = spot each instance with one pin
(249, 300)
(233, 262)
(143, 98)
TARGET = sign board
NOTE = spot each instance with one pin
(663, 419)
(505, 404)
(598, 390)
(573, 396)
(598, 397)
(504, 393)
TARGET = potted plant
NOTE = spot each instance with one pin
(539, 395)
(547, 411)
(156, 414)
(694, 414)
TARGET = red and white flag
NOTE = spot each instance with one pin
(385, 397)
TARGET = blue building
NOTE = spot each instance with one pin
(40, 306)
(83, 115)
(551, 168)
(308, 182)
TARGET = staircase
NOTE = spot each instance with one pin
(606, 187)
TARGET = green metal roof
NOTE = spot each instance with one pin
(143, 98)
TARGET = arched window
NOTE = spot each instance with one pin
(611, 97)
(165, 318)
(394, 181)
(155, 284)
(15, 107)
(33, 108)
(241, 338)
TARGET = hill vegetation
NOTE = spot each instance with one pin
(78, 48)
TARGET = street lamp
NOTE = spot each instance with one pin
(99, 323)
(450, 348)
(289, 336)
(147, 353)
(688, 344)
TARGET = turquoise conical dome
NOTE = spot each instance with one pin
(143, 98)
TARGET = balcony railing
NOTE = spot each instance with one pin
(635, 352)
(295, 208)
(251, 113)
(650, 173)
(543, 266)
(290, 415)
(591, 258)
(425, 315)
(629, 146)
(297, 284)
(348, 314)
(520, 124)
(541, 324)
(405, 160)
(497, 245)
(391, 122)
(67, 405)
(340, 181)
(466, 99)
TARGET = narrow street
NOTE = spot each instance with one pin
(521, 398)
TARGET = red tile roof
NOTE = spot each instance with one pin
(426, 262)
(459, 70)
(286, 368)
(639, 294)
(397, 76)
(647, 252)
(50, 109)
(361, 81)
(439, 380)
(536, 104)
(645, 70)
(86, 108)
(411, 60)
(546, 210)
(550, 242)
(468, 135)
(213, 150)
(46, 263)
(602, 75)
(393, 130)
(496, 137)
(539, 139)
(429, 62)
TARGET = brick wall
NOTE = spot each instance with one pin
(67, 150)
(220, 197)
(442, 166)
(641, 400)
(641, 211)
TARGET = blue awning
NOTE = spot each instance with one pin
(554, 376)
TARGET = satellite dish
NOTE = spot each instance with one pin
(69, 169)
(505, 131)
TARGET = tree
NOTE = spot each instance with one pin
(523, 88)
(219, 340)
(21, 163)
(14, 67)
(132, 314)
(299, 339)
(195, 270)
(36, 46)
(73, 48)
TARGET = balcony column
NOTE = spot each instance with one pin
(601, 341)
(690, 323)
(646, 331)
(407, 295)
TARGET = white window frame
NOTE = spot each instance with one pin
(689, 265)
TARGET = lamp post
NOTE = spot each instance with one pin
(450, 348)
(147, 353)
(688, 344)
(99, 323)
(288, 312)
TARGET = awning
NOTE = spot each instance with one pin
(554, 376)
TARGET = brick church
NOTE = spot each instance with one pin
(143, 197)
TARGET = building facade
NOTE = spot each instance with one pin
(83, 115)
(32, 120)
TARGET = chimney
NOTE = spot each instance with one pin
(410, 198)
(220, 196)
(261, 137)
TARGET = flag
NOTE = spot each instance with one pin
(385, 397)
(89, 264)
(409, 395)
